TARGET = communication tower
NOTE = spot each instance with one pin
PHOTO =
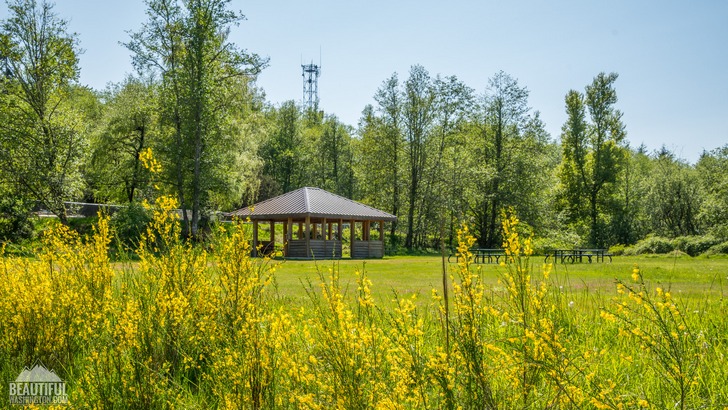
(311, 73)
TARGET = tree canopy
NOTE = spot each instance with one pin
(429, 148)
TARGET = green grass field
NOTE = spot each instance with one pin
(693, 278)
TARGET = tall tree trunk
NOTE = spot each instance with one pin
(199, 98)
(593, 217)
(179, 169)
(395, 191)
(196, 191)
(335, 158)
(483, 237)
(409, 240)
(135, 174)
(493, 217)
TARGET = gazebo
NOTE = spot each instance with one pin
(313, 221)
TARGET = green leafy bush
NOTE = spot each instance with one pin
(84, 225)
(721, 248)
(653, 244)
(556, 240)
(15, 224)
(617, 249)
(695, 245)
(129, 223)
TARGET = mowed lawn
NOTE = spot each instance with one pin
(689, 278)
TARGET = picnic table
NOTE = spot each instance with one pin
(481, 255)
(578, 255)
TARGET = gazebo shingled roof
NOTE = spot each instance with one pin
(315, 203)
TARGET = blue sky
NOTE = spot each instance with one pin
(671, 56)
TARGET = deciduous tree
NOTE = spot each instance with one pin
(674, 196)
(500, 127)
(381, 152)
(130, 125)
(418, 117)
(712, 170)
(187, 44)
(593, 153)
(42, 132)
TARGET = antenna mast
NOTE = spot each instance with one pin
(311, 73)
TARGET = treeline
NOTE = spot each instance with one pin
(429, 149)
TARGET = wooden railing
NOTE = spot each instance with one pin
(320, 249)
(367, 249)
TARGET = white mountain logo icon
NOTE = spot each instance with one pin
(38, 374)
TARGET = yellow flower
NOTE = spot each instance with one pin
(636, 274)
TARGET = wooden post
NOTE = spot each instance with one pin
(381, 232)
(300, 231)
(255, 237)
(285, 236)
(365, 236)
(273, 237)
(329, 229)
(339, 226)
(314, 230)
(352, 234)
(307, 233)
(323, 235)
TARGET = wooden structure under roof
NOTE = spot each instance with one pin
(313, 221)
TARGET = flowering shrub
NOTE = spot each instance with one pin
(190, 327)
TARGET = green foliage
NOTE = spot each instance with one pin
(129, 125)
(695, 245)
(674, 197)
(418, 119)
(502, 154)
(593, 154)
(43, 133)
(15, 224)
(129, 223)
(658, 324)
(712, 171)
(630, 220)
(202, 98)
(558, 240)
(281, 153)
(689, 245)
(652, 244)
(429, 150)
(83, 226)
(306, 149)
(379, 159)
(617, 250)
(721, 248)
(333, 158)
